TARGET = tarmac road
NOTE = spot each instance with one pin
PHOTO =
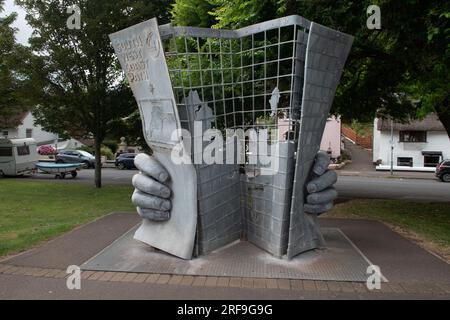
(349, 187)
(400, 189)
(109, 176)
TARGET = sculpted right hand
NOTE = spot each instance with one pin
(151, 196)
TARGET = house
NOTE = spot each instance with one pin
(22, 126)
(418, 145)
(331, 140)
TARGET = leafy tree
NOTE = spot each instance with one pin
(401, 70)
(236, 13)
(12, 88)
(77, 84)
(193, 13)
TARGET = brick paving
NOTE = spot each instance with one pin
(47, 264)
(232, 282)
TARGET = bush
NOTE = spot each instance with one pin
(346, 155)
(112, 145)
(105, 151)
(46, 150)
(91, 150)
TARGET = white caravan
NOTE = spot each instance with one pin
(18, 156)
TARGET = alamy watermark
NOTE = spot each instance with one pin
(251, 147)
(74, 20)
(374, 278)
(374, 19)
(73, 281)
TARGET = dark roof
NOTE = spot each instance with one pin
(430, 123)
(13, 121)
(87, 142)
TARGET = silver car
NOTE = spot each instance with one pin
(76, 156)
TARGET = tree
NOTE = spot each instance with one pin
(432, 86)
(401, 70)
(12, 83)
(193, 13)
(78, 87)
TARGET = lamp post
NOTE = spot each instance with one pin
(392, 147)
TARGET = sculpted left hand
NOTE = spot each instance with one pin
(320, 188)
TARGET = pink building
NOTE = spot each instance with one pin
(332, 137)
(331, 140)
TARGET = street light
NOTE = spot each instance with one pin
(392, 147)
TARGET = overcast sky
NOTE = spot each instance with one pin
(24, 30)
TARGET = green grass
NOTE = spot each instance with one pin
(428, 223)
(32, 212)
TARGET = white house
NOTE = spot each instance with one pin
(418, 145)
(22, 126)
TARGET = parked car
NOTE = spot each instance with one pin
(443, 171)
(125, 161)
(76, 156)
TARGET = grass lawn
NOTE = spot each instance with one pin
(32, 212)
(425, 223)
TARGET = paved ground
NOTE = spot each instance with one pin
(362, 160)
(387, 175)
(400, 189)
(39, 273)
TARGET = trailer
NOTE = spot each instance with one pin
(18, 156)
(60, 170)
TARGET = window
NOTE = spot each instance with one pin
(6, 152)
(404, 162)
(29, 133)
(5, 133)
(431, 161)
(23, 150)
(413, 136)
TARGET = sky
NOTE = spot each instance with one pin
(24, 30)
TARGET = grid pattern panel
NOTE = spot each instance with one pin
(232, 81)
(325, 58)
(254, 78)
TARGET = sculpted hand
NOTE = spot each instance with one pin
(321, 192)
(151, 196)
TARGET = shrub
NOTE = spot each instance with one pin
(91, 150)
(346, 155)
(46, 150)
(112, 145)
(105, 151)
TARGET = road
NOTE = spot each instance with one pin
(349, 187)
(109, 176)
(400, 189)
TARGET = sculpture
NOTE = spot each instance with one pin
(277, 80)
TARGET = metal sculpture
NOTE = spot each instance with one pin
(279, 76)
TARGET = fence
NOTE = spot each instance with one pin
(363, 141)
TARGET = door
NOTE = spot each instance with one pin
(7, 163)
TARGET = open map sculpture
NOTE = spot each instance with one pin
(280, 75)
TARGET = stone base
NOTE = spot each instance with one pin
(341, 261)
